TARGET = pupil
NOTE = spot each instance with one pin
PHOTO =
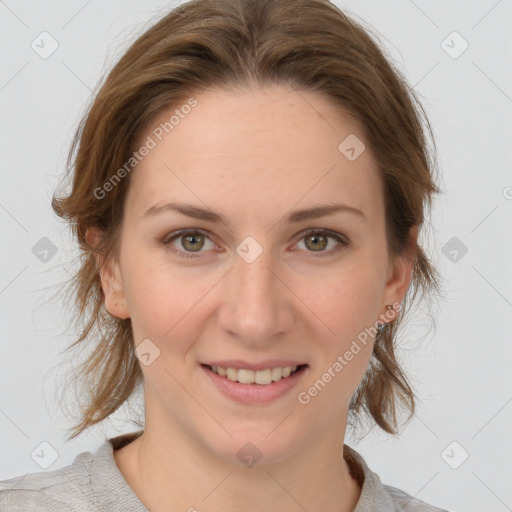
(193, 240)
(316, 240)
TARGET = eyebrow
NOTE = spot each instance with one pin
(296, 216)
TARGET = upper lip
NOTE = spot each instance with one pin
(245, 365)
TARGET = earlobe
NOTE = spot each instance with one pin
(111, 279)
(113, 289)
(400, 274)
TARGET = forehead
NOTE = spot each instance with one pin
(259, 148)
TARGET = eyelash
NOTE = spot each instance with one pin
(312, 231)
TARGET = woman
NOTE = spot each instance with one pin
(247, 190)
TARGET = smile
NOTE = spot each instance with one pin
(262, 377)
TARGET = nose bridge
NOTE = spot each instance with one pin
(254, 279)
(255, 306)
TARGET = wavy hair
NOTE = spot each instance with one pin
(309, 44)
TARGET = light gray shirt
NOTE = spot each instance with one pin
(94, 483)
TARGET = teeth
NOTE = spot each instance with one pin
(277, 373)
(231, 373)
(263, 377)
(246, 376)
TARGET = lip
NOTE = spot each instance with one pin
(239, 364)
(254, 393)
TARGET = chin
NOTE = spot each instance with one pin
(253, 445)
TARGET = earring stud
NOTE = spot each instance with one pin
(380, 325)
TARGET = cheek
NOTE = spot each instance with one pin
(348, 305)
(163, 301)
(348, 298)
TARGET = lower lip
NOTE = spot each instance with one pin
(254, 393)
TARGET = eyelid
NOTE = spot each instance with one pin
(340, 237)
(168, 237)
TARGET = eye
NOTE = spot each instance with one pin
(192, 241)
(188, 243)
(316, 240)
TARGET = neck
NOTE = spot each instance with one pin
(170, 471)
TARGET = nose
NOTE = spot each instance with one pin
(257, 305)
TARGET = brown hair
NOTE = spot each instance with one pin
(309, 44)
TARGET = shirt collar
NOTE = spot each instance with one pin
(117, 496)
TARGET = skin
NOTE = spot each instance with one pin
(253, 156)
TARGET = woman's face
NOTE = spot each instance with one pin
(253, 290)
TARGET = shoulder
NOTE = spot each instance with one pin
(376, 496)
(408, 503)
(63, 489)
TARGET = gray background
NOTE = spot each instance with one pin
(460, 370)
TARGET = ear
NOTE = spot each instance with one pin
(399, 276)
(111, 279)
